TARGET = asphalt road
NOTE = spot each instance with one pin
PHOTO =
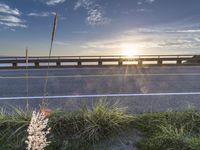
(139, 89)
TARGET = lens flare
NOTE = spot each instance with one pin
(128, 49)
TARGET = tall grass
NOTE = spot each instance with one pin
(73, 130)
(170, 130)
(13, 126)
(103, 121)
(44, 102)
(91, 125)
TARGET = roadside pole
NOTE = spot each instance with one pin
(27, 84)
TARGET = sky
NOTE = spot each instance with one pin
(100, 27)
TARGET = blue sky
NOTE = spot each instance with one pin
(100, 27)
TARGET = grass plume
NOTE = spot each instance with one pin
(44, 103)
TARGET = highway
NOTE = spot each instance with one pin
(140, 89)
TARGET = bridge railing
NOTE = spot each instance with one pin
(81, 61)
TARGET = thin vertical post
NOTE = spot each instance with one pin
(27, 84)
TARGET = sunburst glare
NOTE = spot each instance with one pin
(129, 49)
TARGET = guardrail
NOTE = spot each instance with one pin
(98, 61)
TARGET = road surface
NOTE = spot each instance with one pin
(139, 89)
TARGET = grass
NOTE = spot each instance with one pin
(170, 130)
(74, 130)
(89, 126)
(13, 127)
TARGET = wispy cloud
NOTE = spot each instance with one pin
(139, 10)
(41, 14)
(164, 39)
(150, 1)
(181, 43)
(188, 31)
(167, 30)
(10, 17)
(173, 37)
(7, 10)
(197, 39)
(54, 2)
(171, 43)
(12, 21)
(144, 10)
(11, 24)
(95, 13)
(140, 3)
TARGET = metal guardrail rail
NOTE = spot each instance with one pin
(98, 61)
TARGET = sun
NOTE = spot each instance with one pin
(128, 49)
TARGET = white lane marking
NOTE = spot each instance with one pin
(53, 69)
(100, 68)
(100, 95)
(101, 75)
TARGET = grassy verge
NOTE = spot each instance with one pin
(169, 130)
(74, 130)
(89, 126)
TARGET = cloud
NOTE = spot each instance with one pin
(7, 10)
(11, 17)
(150, 1)
(170, 38)
(11, 24)
(188, 31)
(12, 21)
(178, 43)
(166, 29)
(197, 39)
(145, 42)
(171, 44)
(167, 37)
(13, 30)
(144, 10)
(145, 1)
(95, 13)
(139, 3)
(54, 2)
(139, 10)
(41, 14)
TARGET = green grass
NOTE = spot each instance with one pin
(89, 126)
(13, 127)
(170, 130)
(69, 130)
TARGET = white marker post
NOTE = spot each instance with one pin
(27, 88)
(27, 57)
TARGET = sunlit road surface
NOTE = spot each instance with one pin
(139, 89)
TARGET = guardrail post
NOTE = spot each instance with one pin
(37, 64)
(179, 62)
(14, 64)
(58, 64)
(159, 61)
(140, 62)
(100, 62)
(79, 63)
(120, 62)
